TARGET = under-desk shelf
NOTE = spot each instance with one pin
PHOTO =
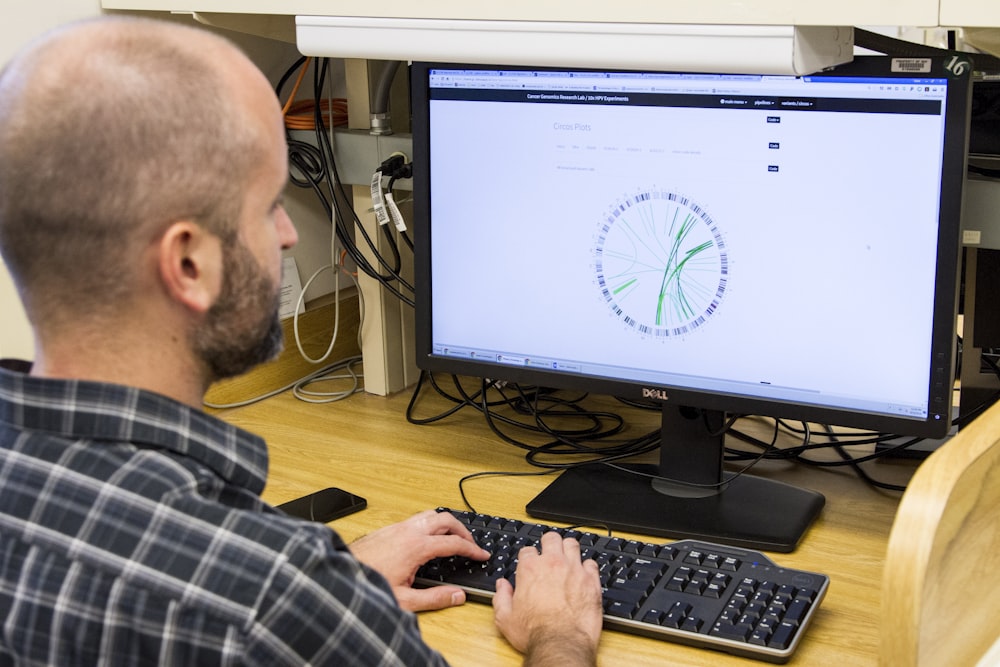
(731, 12)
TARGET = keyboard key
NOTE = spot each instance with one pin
(782, 637)
(677, 614)
(695, 587)
(768, 587)
(694, 557)
(632, 547)
(692, 624)
(796, 611)
(714, 590)
(650, 550)
(633, 595)
(654, 617)
(667, 552)
(619, 609)
(759, 637)
(738, 631)
(786, 590)
(807, 594)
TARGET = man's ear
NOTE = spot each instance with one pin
(190, 265)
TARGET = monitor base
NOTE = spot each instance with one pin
(751, 512)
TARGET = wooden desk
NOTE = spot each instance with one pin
(365, 445)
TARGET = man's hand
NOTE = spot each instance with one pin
(397, 552)
(554, 616)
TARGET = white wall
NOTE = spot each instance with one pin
(20, 22)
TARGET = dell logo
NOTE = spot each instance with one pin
(659, 394)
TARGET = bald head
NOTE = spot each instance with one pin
(110, 130)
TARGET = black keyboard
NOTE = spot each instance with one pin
(693, 592)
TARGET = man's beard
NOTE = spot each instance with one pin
(242, 329)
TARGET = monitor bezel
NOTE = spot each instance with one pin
(946, 297)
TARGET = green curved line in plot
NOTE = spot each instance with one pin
(682, 305)
(669, 230)
(626, 285)
(659, 235)
(671, 266)
(672, 285)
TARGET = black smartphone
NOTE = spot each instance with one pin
(325, 505)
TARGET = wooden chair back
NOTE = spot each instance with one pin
(941, 582)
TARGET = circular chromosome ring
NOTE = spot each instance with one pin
(661, 263)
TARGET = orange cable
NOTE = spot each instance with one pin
(298, 82)
(300, 116)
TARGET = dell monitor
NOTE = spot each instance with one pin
(722, 244)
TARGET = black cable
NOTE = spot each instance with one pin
(892, 46)
(855, 466)
(965, 418)
(288, 74)
(402, 234)
(462, 400)
(345, 227)
(303, 156)
(492, 418)
(541, 406)
(305, 163)
(863, 438)
(983, 171)
(460, 403)
(397, 261)
(846, 459)
(313, 166)
(593, 443)
(495, 473)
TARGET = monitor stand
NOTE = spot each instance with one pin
(687, 496)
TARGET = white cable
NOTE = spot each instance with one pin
(312, 396)
(320, 375)
(333, 265)
(297, 385)
(336, 316)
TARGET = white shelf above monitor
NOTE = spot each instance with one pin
(758, 49)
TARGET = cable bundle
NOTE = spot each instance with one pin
(313, 166)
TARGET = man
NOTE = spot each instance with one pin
(141, 171)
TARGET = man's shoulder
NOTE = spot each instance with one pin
(150, 527)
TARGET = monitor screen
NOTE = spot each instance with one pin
(737, 244)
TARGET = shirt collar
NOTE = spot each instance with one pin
(116, 413)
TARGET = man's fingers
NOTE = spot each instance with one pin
(503, 599)
(429, 599)
(440, 523)
(571, 547)
(453, 545)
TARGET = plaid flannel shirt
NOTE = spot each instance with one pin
(132, 533)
